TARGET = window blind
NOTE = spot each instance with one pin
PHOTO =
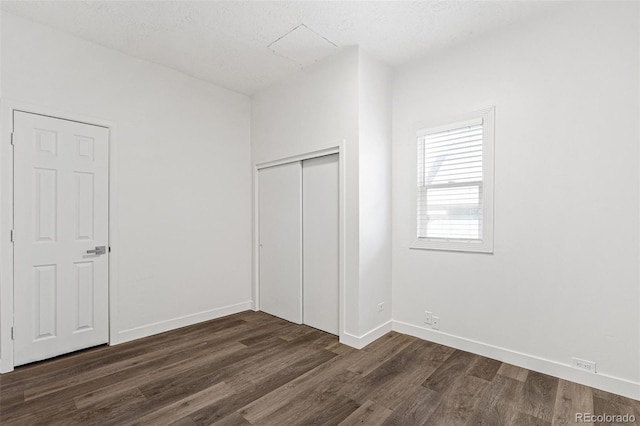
(449, 192)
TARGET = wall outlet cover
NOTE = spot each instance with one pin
(584, 365)
(435, 322)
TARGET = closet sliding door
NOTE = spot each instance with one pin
(298, 242)
(320, 218)
(280, 239)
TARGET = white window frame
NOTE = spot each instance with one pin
(485, 243)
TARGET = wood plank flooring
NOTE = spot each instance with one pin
(255, 369)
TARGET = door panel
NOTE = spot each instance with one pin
(84, 206)
(84, 295)
(46, 287)
(46, 199)
(60, 212)
(321, 245)
(280, 238)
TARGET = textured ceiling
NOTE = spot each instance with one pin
(248, 45)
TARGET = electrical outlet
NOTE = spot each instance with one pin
(435, 322)
(584, 365)
(380, 306)
(428, 317)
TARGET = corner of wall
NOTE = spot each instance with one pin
(374, 126)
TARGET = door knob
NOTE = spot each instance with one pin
(98, 250)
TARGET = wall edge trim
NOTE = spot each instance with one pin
(179, 322)
(360, 342)
(557, 369)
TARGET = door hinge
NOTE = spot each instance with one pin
(13, 334)
(12, 143)
(12, 237)
(109, 249)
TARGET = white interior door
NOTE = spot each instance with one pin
(320, 217)
(280, 239)
(60, 215)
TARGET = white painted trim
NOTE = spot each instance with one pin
(114, 235)
(360, 342)
(301, 243)
(300, 157)
(7, 107)
(553, 368)
(184, 321)
(319, 151)
(255, 264)
(342, 185)
(6, 247)
(451, 124)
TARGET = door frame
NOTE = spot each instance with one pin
(329, 149)
(7, 109)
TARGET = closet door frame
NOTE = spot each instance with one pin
(333, 148)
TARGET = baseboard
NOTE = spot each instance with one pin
(553, 368)
(5, 366)
(365, 339)
(172, 324)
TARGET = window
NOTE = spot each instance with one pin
(454, 194)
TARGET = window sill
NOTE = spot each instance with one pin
(463, 246)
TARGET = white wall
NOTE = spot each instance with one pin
(183, 172)
(563, 281)
(374, 122)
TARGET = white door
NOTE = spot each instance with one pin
(321, 247)
(280, 239)
(60, 217)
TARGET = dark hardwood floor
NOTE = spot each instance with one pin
(252, 368)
